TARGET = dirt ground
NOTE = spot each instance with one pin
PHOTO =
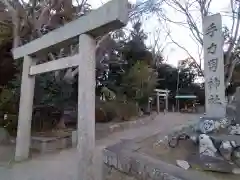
(6, 154)
(64, 165)
(157, 147)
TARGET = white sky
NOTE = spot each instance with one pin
(183, 35)
(98, 3)
(180, 34)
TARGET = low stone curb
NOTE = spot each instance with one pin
(124, 158)
(45, 145)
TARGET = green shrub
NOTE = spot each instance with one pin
(139, 83)
(116, 110)
(105, 111)
(10, 124)
(7, 101)
(127, 110)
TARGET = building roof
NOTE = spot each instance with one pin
(185, 97)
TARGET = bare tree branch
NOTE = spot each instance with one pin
(189, 54)
(233, 40)
(233, 18)
(230, 72)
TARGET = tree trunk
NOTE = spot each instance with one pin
(61, 123)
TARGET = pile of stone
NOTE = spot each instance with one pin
(218, 141)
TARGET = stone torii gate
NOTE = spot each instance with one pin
(162, 93)
(113, 15)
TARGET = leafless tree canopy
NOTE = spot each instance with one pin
(34, 18)
(194, 11)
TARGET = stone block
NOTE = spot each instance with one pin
(114, 161)
(74, 138)
(124, 163)
(154, 173)
(148, 171)
(235, 130)
(223, 137)
(110, 158)
(4, 136)
(137, 167)
(63, 143)
(43, 147)
(215, 100)
(49, 144)
(106, 170)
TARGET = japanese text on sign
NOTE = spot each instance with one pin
(214, 66)
(214, 99)
(211, 30)
(213, 82)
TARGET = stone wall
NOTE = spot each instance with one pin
(111, 173)
(123, 159)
